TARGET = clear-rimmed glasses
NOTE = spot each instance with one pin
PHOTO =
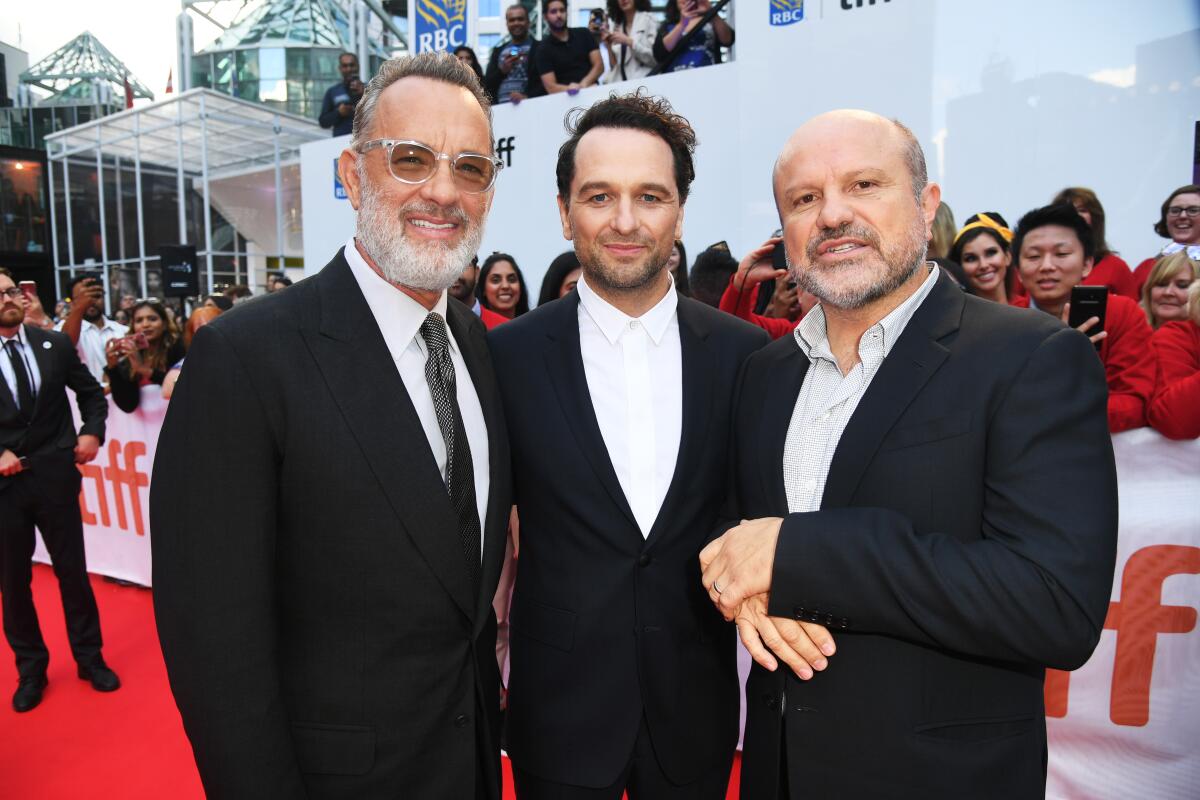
(413, 163)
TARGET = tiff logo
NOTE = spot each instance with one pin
(126, 481)
(505, 146)
(1138, 618)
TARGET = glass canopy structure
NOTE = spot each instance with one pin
(198, 168)
(84, 72)
(282, 53)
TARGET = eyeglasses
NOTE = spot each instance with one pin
(414, 163)
(12, 293)
(1179, 211)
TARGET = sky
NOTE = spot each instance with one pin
(140, 33)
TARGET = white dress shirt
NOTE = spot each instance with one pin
(399, 318)
(92, 339)
(634, 374)
(828, 399)
(25, 352)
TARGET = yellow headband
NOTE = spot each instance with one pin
(985, 221)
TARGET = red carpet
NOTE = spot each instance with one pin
(80, 743)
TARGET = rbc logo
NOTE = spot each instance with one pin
(339, 191)
(785, 12)
(440, 24)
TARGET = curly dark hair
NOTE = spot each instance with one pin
(636, 111)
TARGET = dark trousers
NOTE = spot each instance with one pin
(24, 504)
(642, 778)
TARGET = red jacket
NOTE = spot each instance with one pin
(1175, 409)
(741, 304)
(1110, 271)
(491, 319)
(1130, 366)
(1143, 272)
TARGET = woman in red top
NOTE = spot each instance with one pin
(501, 290)
(1180, 221)
(741, 296)
(1175, 410)
(1165, 295)
(1053, 248)
(1108, 268)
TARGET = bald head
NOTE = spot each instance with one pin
(832, 127)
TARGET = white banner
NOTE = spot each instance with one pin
(115, 496)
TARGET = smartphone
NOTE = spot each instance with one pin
(597, 16)
(1088, 302)
(29, 288)
(779, 257)
(139, 341)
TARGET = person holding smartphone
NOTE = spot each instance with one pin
(87, 325)
(1054, 249)
(630, 40)
(684, 49)
(143, 358)
(508, 78)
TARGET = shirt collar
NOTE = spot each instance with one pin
(612, 321)
(396, 313)
(812, 336)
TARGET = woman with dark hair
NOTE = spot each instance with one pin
(561, 277)
(1180, 222)
(678, 267)
(467, 56)
(142, 358)
(982, 249)
(1109, 268)
(630, 42)
(501, 288)
(700, 50)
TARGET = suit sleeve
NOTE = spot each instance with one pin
(89, 396)
(125, 393)
(213, 528)
(1034, 585)
(1175, 410)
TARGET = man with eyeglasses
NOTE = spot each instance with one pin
(330, 632)
(337, 109)
(39, 486)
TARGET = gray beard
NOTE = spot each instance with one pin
(432, 267)
(901, 262)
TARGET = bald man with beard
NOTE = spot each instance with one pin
(937, 526)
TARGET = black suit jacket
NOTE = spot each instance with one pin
(966, 541)
(49, 438)
(608, 625)
(314, 607)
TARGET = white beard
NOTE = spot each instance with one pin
(430, 267)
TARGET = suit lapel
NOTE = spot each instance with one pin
(694, 433)
(362, 378)
(473, 347)
(905, 370)
(564, 362)
(786, 376)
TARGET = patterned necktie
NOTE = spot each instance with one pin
(24, 385)
(460, 473)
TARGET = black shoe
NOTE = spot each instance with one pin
(103, 679)
(29, 693)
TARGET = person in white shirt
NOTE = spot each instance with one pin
(88, 327)
(618, 399)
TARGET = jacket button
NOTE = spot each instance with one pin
(799, 612)
(644, 560)
(461, 721)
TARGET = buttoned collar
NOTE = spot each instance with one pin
(812, 335)
(398, 316)
(612, 321)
